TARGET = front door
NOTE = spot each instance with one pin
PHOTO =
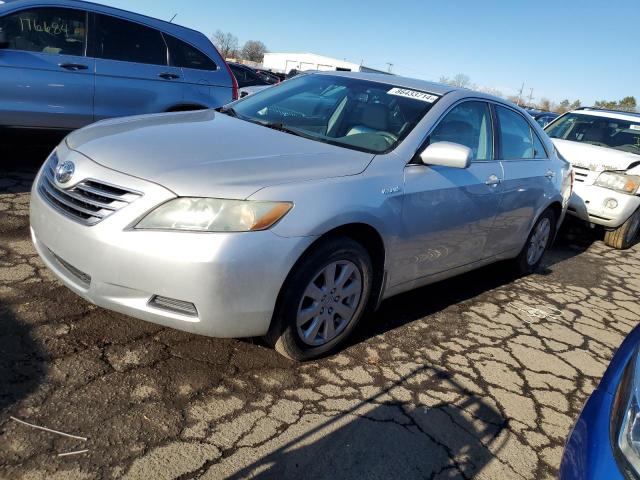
(46, 79)
(448, 213)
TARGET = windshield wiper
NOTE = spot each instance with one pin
(228, 111)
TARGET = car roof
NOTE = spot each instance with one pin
(397, 81)
(599, 112)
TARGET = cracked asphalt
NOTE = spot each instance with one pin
(480, 376)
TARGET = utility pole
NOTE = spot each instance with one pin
(530, 97)
(520, 94)
(390, 67)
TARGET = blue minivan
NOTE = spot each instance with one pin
(67, 63)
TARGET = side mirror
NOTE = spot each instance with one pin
(4, 40)
(447, 154)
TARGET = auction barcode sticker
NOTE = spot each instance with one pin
(415, 94)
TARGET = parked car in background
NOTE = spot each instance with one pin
(270, 77)
(288, 217)
(605, 440)
(249, 82)
(543, 118)
(604, 148)
(66, 63)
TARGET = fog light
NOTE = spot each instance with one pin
(611, 203)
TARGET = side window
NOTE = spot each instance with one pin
(60, 31)
(186, 56)
(118, 39)
(516, 136)
(468, 124)
(539, 151)
(240, 74)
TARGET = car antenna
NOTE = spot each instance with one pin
(173, 18)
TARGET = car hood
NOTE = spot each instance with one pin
(209, 154)
(594, 157)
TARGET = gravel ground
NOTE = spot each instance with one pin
(480, 376)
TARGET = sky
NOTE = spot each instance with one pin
(574, 49)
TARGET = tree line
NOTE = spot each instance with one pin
(229, 47)
(627, 104)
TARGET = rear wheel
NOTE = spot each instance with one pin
(624, 236)
(539, 241)
(322, 301)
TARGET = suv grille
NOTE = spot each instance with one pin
(581, 173)
(89, 202)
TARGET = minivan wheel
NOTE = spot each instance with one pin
(322, 300)
(624, 236)
(538, 242)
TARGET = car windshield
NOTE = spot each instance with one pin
(596, 130)
(352, 113)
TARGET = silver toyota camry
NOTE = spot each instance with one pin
(292, 213)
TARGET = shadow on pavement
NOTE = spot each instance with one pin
(382, 438)
(22, 366)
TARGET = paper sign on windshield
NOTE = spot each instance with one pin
(415, 94)
(634, 127)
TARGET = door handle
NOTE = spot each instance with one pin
(550, 174)
(169, 76)
(492, 181)
(73, 66)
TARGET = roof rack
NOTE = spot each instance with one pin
(610, 110)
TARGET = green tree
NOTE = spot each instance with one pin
(628, 104)
(254, 50)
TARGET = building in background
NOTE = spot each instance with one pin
(285, 62)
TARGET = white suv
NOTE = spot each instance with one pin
(604, 148)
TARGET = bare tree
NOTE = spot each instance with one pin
(460, 80)
(254, 50)
(226, 43)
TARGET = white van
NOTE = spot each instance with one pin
(604, 148)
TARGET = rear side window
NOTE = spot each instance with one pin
(125, 41)
(517, 139)
(186, 56)
(60, 31)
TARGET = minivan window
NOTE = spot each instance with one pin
(185, 56)
(468, 124)
(622, 135)
(60, 31)
(516, 135)
(347, 112)
(125, 41)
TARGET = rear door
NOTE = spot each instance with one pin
(46, 79)
(448, 213)
(205, 82)
(528, 179)
(133, 75)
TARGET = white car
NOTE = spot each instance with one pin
(604, 148)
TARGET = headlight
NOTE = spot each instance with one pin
(618, 182)
(626, 417)
(214, 215)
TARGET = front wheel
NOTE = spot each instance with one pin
(538, 242)
(624, 236)
(322, 301)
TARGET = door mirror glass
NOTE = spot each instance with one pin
(447, 154)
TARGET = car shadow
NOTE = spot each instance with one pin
(22, 363)
(382, 438)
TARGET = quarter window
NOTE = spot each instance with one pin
(467, 124)
(517, 139)
(118, 39)
(57, 31)
(186, 56)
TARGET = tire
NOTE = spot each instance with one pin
(299, 300)
(625, 235)
(526, 262)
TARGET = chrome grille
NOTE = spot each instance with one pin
(89, 202)
(581, 173)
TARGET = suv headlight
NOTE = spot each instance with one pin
(214, 215)
(618, 182)
(625, 421)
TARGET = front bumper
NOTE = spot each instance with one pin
(232, 279)
(588, 203)
(588, 454)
